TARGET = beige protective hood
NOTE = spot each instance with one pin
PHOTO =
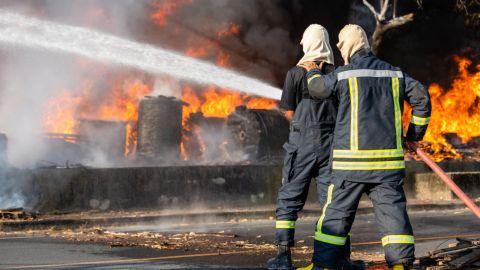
(316, 45)
(351, 39)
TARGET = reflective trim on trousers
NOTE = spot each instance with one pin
(398, 239)
(323, 237)
(285, 224)
(330, 239)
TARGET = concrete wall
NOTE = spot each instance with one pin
(155, 187)
(428, 187)
(193, 186)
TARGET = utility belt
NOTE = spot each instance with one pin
(296, 126)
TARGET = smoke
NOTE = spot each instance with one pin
(265, 46)
(30, 79)
(11, 193)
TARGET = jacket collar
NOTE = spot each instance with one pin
(360, 54)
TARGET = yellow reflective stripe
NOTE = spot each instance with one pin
(420, 121)
(285, 224)
(330, 239)
(352, 111)
(383, 153)
(356, 114)
(368, 151)
(353, 86)
(313, 77)
(323, 237)
(329, 200)
(398, 111)
(368, 166)
(398, 239)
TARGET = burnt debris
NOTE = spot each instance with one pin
(465, 254)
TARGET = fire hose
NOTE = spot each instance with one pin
(449, 182)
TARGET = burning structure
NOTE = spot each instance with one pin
(218, 126)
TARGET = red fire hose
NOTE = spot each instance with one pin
(449, 182)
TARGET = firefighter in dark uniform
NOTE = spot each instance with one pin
(309, 145)
(367, 155)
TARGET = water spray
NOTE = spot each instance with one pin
(20, 30)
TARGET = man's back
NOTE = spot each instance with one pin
(368, 136)
(367, 144)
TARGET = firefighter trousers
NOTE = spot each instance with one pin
(333, 227)
(307, 158)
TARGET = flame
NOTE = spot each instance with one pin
(63, 113)
(165, 8)
(198, 52)
(229, 30)
(213, 102)
(223, 59)
(455, 110)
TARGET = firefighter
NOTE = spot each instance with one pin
(367, 155)
(309, 145)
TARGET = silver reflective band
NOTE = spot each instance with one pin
(368, 73)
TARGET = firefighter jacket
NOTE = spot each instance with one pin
(367, 144)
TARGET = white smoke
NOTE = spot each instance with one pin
(30, 78)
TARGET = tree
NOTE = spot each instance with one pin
(384, 24)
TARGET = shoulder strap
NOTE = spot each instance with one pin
(305, 93)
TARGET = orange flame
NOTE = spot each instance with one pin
(456, 110)
(61, 112)
(229, 30)
(165, 8)
(64, 112)
(213, 102)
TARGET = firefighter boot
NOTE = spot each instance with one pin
(347, 264)
(313, 267)
(283, 260)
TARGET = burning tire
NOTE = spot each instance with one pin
(255, 134)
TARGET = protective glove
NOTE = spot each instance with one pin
(411, 146)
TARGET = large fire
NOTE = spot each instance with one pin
(120, 103)
(455, 111)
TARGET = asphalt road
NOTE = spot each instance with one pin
(432, 229)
